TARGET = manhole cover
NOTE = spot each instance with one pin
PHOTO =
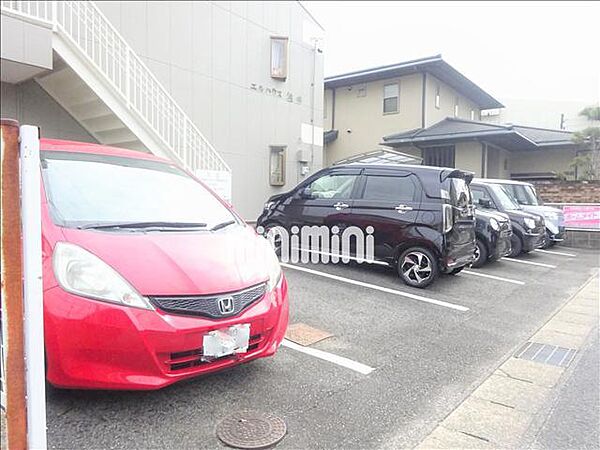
(251, 429)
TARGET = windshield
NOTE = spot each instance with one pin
(87, 190)
(504, 198)
(523, 193)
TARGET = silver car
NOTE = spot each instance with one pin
(526, 196)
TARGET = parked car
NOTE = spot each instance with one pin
(149, 277)
(528, 229)
(526, 196)
(494, 232)
(422, 216)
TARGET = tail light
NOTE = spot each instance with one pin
(448, 218)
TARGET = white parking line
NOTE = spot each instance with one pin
(552, 252)
(335, 359)
(378, 288)
(531, 263)
(493, 277)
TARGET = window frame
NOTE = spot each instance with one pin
(284, 66)
(397, 97)
(273, 149)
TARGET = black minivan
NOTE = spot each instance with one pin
(528, 229)
(422, 217)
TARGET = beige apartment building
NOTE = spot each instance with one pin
(428, 109)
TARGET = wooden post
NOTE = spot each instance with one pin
(12, 285)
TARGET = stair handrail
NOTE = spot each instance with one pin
(38, 10)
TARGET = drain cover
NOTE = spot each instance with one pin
(251, 429)
(547, 354)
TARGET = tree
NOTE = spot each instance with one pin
(588, 164)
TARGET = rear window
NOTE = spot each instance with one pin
(394, 189)
(84, 189)
(460, 194)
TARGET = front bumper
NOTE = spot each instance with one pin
(556, 236)
(502, 245)
(531, 241)
(97, 345)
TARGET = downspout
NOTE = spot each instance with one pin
(484, 160)
(423, 95)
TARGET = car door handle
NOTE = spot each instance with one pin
(340, 205)
(403, 208)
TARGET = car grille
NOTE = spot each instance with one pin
(505, 229)
(208, 306)
(193, 358)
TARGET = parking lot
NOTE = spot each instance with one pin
(409, 357)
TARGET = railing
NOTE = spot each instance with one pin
(86, 28)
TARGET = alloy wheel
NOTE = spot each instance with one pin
(417, 267)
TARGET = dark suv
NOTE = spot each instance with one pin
(528, 229)
(421, 218)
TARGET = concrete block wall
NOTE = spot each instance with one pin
(568, 191)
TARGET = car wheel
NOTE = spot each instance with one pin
(516, 246)
(547, 241)
(481, 254)
(417, 267)
(276, 239)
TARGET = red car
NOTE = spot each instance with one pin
(149, 277)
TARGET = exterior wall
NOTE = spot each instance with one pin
(446, 109)
(498, 164)
(365, 119)
(547, 160)
(214, 59)
(468, 156)
(328, 119)
(31, 105)
(26, 49)
(556, 191)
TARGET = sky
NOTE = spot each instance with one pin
(513, 50)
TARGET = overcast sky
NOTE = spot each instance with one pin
(513, 50)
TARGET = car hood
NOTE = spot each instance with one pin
(521, 214)
(501, 217)
(541, 209)
(181, 263)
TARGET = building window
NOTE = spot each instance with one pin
(279, 57)
(472, 114)
(437, 96)
(456, 107)
(439, 156)
(390, 98)
(277, 165)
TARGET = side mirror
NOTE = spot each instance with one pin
(485, 202)
(306, 193)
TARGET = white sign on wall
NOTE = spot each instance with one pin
(218, 180)
(311, 135)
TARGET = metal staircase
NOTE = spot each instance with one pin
(107, 88)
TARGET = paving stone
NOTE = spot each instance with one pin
(522, 395)
(501, 425)
(576, 329)
(574, 317)
(442, 437)
(539, 374)
(553, 337)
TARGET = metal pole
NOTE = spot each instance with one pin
(32, 284)
(12, 286)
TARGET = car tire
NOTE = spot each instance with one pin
(277, 243)
(417, 267)
(481, 254)
(547, 241)
(516, 246)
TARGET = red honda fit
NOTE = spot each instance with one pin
(149, 278)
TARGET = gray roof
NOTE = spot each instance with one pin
(434, 65)
(511, 137)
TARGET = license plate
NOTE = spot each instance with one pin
(227, 341)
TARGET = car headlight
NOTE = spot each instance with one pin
(273, 267)
(529, 223)
(82, 273)
(269, 205)
(494, 224)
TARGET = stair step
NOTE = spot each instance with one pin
(119, 135)
(104, 122)
(90, 110)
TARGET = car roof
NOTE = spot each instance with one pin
(59, 145)
(499, 181)
(415, 167)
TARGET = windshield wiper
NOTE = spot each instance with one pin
(144, 225)
(222, 225)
